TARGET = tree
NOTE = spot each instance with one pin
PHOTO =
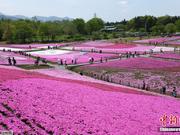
(44, 31)
(1, 31)
(94, 25)
(96, 36)
(35, 25)
(80, 25)
(8, 32)
(164, 20)
(142, 22)
(69, 28)
(178, 25)
(170, 28)
(23, 32)
(158, 29)
(150, 22)
(54, 30)
(122, 27)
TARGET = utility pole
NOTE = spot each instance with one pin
(95, 15)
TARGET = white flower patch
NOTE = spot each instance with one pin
(12, 49)
(158, 49)
(68, 48)
(49, 52)
(20, 58)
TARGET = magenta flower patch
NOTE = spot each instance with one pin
(168, 56)
(158, 40)
(139, 63)
(20, 59)
(41, 105)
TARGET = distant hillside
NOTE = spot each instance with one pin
(39, 18)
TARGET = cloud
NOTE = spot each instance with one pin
(5, 6)
(122, 2)
(124, 5)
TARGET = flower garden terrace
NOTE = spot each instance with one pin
(21, 59)
(83, 57)
(158, 40)
(165, 41)
(98, 50)
(155, 72)
(82, 52)
(108, 47)
(58, 101)
(79, 56)
(31, 47)
(49, 105)
(174, 43)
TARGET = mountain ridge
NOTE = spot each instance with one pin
(38, 18)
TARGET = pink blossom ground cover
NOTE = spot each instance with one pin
(117, 49)
(155, 80)
(176, 43)
(21, 60)
(12, 49)
(156, 72)
(103, 44)
(33, 46)
(155, 40)
(158, 40)
(45, 105)
(168, 55)
(138, 48)
(81, 57)
(110, 47)
(139, 63)
(119, 46)
(97, 56)
(94, 44)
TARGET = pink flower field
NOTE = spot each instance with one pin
(33, 46)
(140, 63)
(175, 56)
(116, 48)
(81, 57)
(94, 44)
(108, 47)
(176, 43)
(155, 40)
(48, 105)
(104, 44)
(157, 72)
(158, 40)
(55, 101)
(21, 60)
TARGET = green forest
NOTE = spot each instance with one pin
(29, 31)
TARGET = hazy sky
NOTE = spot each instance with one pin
(109, 10)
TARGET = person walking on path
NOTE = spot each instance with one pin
(174, 93)
(14, 61)
(9, 61)
(144, 85)
(61, 62)
(163, 90)
(101, 60)
(75, 61)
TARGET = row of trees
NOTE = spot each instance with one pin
(25, 31)
(150, 24)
